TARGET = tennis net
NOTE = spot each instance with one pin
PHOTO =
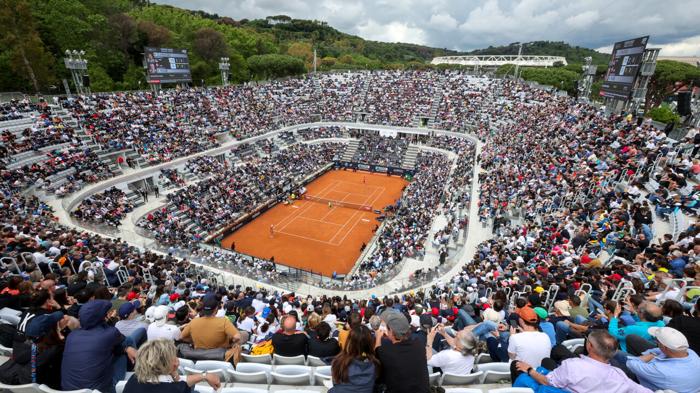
(349, 205)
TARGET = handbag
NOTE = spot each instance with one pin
(186, 351)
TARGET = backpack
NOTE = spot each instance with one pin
(262, 348)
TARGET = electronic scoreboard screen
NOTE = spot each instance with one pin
(624, 67)
(166, 65)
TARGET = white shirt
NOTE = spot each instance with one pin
(453, 362)
(530, 347)
(155, 332)
(248, 324)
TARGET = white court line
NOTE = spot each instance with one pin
(317, 220)
(357, 221)
(301, 210)
(305, 237)
(349, 221)
(334, 207)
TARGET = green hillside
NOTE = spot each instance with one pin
(573, 54)
(35, 33)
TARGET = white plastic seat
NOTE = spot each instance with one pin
(220, 372)
(322, 373)
(494, 372)
(120, 386)
(28, 388)
(483, 358)
(264, 359)
(291, 375)
(288, 360)
(242, 390)
(453, 379)
(511, 390)
(296, 391)
(184, 363)
(314, 361)
(203, 389)
(250, 373)
(434, 378)
(574, 342)
(47, 389)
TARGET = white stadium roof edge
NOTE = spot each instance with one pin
(499, 60)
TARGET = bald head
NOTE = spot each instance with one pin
(650, 312)
(289, 324)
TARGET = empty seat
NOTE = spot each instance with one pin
(483, 358)
(288, 360)
(314, 361)
(250, 373)
(291, 375)
(496, 376)
(184, 363)
(453, 379)
(264, 359)
(321, 374)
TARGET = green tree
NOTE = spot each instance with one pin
(664, 114)
(28, 57)
(210, 44)
(275, 66)
(665, 76)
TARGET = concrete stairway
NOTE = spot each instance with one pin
(410, 157)
(350, 150)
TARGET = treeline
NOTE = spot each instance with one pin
(34, 34)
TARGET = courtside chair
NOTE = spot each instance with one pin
(314, 361)
(494, 372)
(28, 388)
(47, 389)
(257, 373)
(292, 375)
(453, 379)
(299, 360)
(264, 359)
(322, 373)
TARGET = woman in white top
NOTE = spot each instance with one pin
(459, 359)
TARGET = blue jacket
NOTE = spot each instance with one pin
(640, 329)
(90, 350)
(361, 376)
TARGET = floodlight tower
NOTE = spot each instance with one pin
(224, 66)
(589, 71)
(517, 61)
(77, 65)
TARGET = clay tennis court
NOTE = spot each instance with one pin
(313, 236)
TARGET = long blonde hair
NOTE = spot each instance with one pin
(155, 358)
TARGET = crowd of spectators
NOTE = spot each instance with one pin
(380, 150)
(109, 207)
(398, 97)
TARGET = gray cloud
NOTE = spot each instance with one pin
(472, 24)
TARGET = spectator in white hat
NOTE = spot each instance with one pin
(159, 328)
(670, 366)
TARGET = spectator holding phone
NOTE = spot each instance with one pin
(527, 343)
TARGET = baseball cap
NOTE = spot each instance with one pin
(39, 326)
(174, 297)
(528, 314)
(539, 289)
(396, 322)
(492, 315)
(669, 337)
(541, 312)
(131, 296)
(160, 315)
(563, 307)
(209, 304)
(127, 308)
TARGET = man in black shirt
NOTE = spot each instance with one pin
(290, 342)
(405, 366)
(321, 344)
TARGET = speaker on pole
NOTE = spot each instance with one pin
(86, 80)
(684, 103)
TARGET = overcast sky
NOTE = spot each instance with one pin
(472, 24)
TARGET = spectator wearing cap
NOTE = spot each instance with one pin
(406, 366)
(425, 324)
(566, 325)
(458, 358)
(545, 325)
(590, 373)
(44, 333)
(527, 344)
(160, 328)
(95, 355)
(130, 324)
(211, 332)
(670, 366)
(290, 341)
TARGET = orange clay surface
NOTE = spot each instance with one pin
(313, 236)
